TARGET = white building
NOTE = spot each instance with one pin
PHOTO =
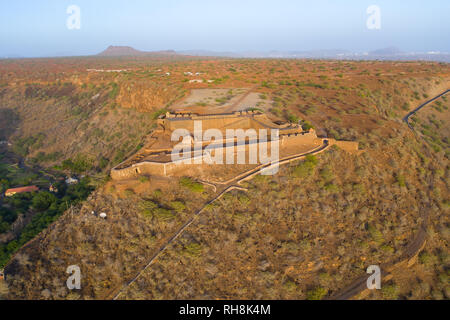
(71, 180)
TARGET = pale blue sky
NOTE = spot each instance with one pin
(38, 27)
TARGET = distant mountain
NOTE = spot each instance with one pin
(125, 51)
(389, 51)
(208, 53)
(316, 54)
(11, 56)
(267, 54)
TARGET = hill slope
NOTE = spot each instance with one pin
(305, 233)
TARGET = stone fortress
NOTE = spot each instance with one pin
(155, 158)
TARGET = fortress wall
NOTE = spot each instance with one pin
(122, 174)
(174, 125)
(224, 122)
(181, 169)
(349, 146)
(171, 168)
(136, 170)
(295, 139)
(291, 131)
(156, 169)
(213, 123)
(152, 168)
(211, 155)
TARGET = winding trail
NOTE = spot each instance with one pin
(413, 112)
(412, 250)
(356, 287)
(233, 184)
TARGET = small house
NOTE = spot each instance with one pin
(13, 191)
(71, 180)
(196, 81)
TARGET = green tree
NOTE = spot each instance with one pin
(43, 200)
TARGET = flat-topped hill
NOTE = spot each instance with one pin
(126, 51)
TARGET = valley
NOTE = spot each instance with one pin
(223, 231)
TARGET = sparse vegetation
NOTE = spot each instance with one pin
(302, 234)
(191, 185)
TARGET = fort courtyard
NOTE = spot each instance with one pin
(195, 144)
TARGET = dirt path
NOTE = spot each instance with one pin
(231, 185)
(413, 112)
(359, 286)
(241, 99)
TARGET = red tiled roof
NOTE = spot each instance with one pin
(22, 189)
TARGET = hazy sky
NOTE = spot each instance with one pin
(38, 27)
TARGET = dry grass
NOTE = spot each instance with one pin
(305, 233)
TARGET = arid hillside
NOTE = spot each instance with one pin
(104, 107)
(305, 233)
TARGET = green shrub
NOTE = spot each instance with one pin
(316, 294)
(427, 259)
(331, 188)
(147, 207)
(290, 286)
(293, 118)
(164, 214)
(143, 179)
(193, 249)
(178, 206)
(114, 91)
(191, 185)
(390, 292)
(327, 174)
(400, 180)
(306, 168)
(244, 199)
(80, 164)
(129, 193)
(376, 235)
(306, 125)
(156, 114)
(157, 193)
(359, 188)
